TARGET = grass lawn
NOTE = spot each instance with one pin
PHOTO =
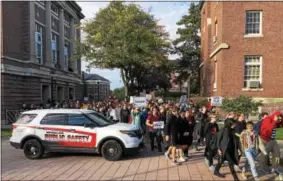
(279, 134)
(6, 132)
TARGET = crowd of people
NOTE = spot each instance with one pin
(189, 126)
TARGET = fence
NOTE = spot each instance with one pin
(12, 115)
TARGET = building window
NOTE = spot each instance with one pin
(253, 72)
(39, 43)
(253, 23)
(215, 76)
(54, 48)
(66, 53)
(67, 19)
(54, 10)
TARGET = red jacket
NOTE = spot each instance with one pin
(267, 125)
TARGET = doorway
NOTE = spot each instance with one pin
(45, 93)
(60, 94)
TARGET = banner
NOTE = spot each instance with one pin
(216, 101)
(158, 125)
(139, 101)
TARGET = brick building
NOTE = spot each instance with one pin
(242, 49)
(38, 43)
(96, 87)
(175, 87)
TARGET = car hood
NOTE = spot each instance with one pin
(123, 126)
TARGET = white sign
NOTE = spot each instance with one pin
(131, 99)
(139, 101)
(158, 125)
(85, 98)
(216, 101)
(148, 97)
(183, 99)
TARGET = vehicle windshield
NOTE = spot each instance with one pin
(99, 119)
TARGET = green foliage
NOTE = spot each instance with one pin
(124, 36)
(119, 93)
(188, 47)
(241, 104)
(279, 134)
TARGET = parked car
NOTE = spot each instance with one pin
(73, 130)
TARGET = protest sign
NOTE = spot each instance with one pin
(158, 125)
(216, 101)
(139, 101)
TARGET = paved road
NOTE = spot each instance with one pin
(145, 166)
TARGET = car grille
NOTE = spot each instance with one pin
(138, 133)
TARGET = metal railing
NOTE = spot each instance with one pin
(12, 115)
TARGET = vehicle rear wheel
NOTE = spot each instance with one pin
(112, 150)
(33, 149)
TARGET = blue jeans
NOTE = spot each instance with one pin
(250, 161)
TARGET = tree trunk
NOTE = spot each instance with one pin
(126, 85)
(189, 87)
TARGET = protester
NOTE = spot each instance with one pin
(226, 144)
(249, 143)
(153, 134)
(210, 131)
(125, 114)
(198, 131)
(267, 136)
(171, 131)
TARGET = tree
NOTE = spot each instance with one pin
(119, 93)
(123, 36)
(188, 47)
(241, 104)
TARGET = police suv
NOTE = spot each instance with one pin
(73, 130)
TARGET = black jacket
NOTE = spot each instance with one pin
(125, 113)
(210, 136)
(172, 126)
(223, 140)
(199, 127)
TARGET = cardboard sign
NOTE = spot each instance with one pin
(158, 125)
(139, 101)
(216, 101)
(183, 100)
(131, 99)
(148, 97)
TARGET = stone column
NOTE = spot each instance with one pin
(48, 49)
(32, 31)
(61, 39)
(73, 46)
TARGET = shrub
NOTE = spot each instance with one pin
(241, 104)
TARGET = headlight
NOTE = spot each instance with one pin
(129, 133)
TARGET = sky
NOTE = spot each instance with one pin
(168, 14)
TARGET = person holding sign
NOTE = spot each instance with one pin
(154, 125)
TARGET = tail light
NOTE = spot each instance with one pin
(14, 127)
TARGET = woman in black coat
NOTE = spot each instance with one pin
(210, 131)
(227, 148)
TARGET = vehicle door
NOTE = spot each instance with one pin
(82, 131)
(52, 130)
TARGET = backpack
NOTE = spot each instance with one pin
(257, 127)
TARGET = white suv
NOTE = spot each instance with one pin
(73, 130)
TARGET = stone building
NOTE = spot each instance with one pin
(37, 53)
(242, 49)
(96, 87)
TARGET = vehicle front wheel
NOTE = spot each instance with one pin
(33, 149)
(112, 150)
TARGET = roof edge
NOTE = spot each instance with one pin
(78, 8)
